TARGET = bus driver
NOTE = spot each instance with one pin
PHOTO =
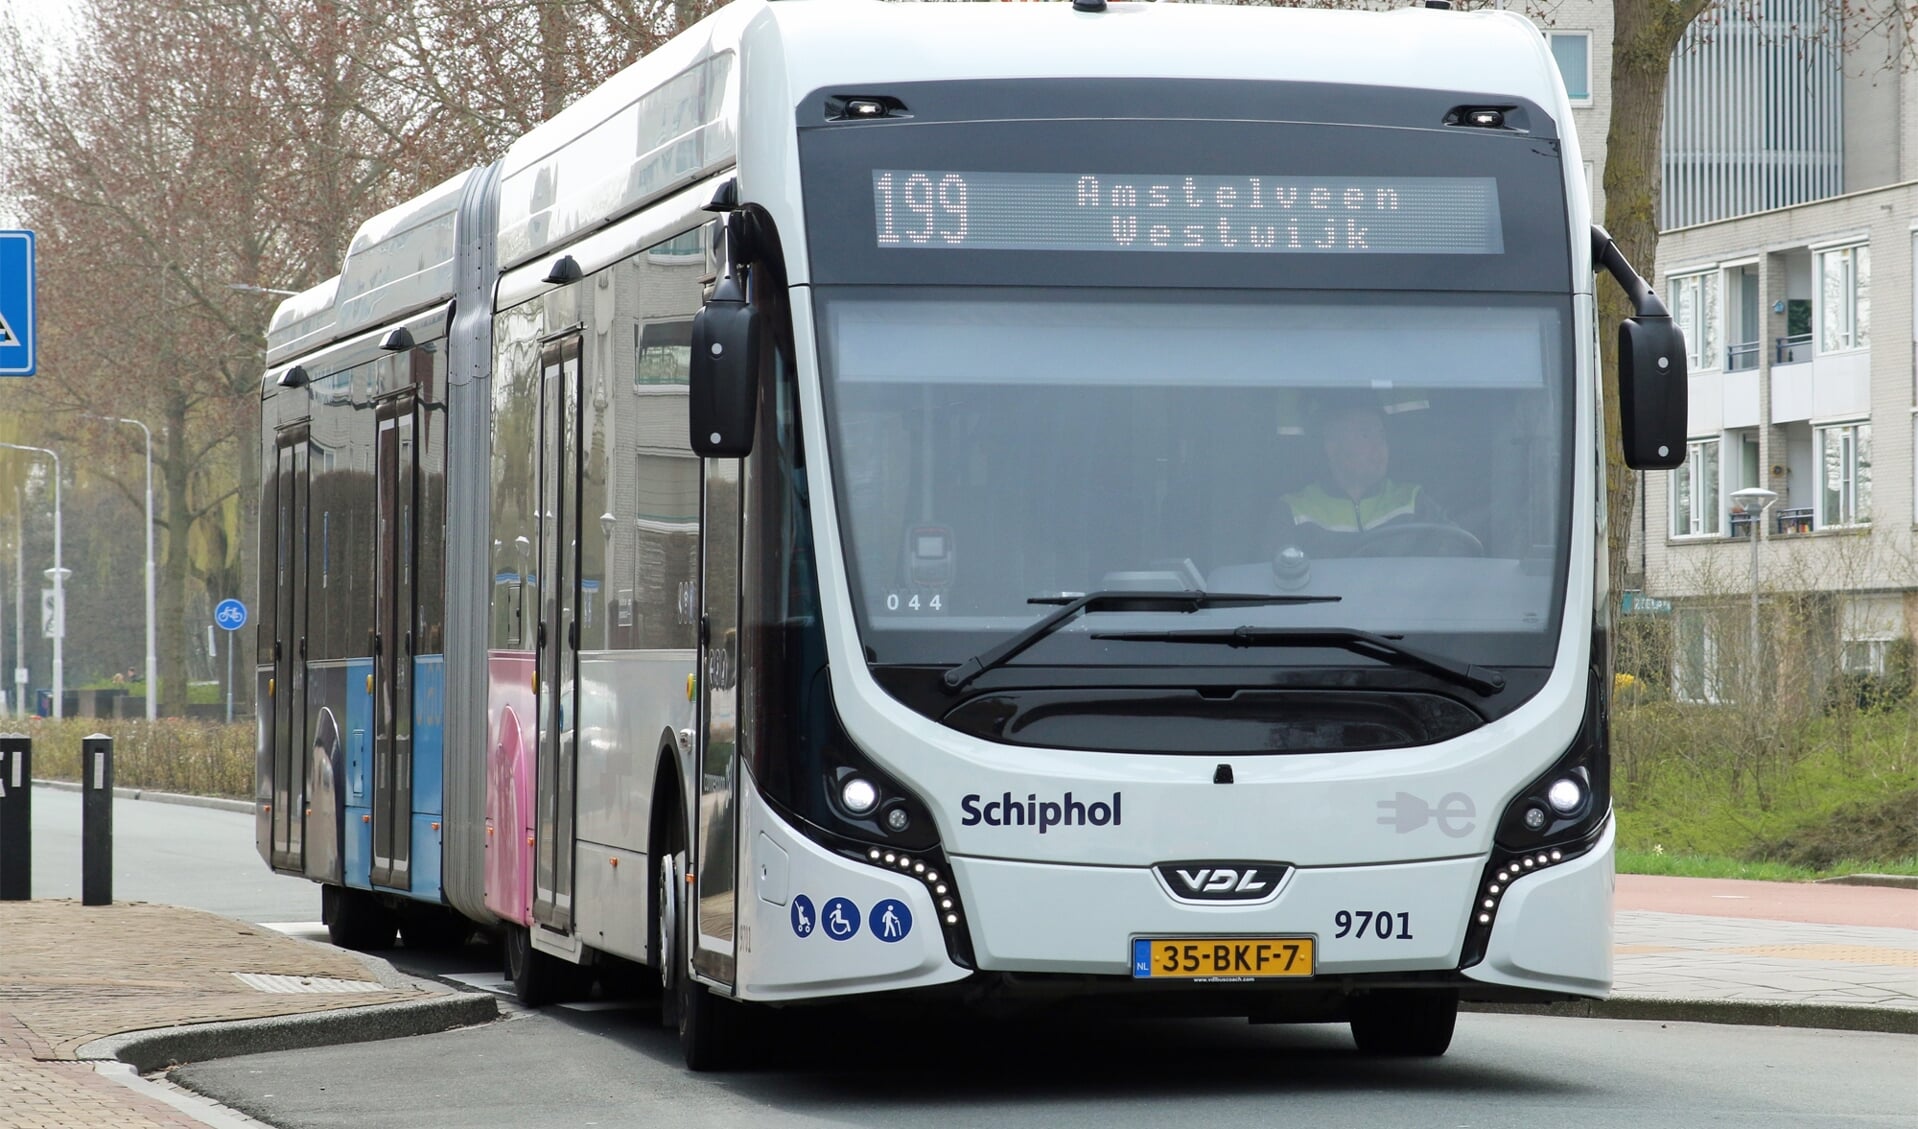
(1338, 515)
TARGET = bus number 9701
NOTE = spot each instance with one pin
(1373, 923)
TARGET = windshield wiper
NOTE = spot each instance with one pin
(1175, 601)
(1365, 643)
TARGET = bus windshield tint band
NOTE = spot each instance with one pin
(917, 209)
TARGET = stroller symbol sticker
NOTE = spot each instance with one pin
(803, 917)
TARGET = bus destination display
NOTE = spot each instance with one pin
(920, 209)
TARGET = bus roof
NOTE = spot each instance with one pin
(832, 42)
(671, 118)
(401, 260)
(303, 322)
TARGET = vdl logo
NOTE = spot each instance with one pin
(1222, 881)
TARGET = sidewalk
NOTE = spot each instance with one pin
(73, 977)
(1807, 955)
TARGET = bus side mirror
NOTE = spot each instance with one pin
(1651, 367)
(723, 397)
(1651, 393)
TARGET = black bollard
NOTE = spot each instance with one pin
(96, 820)
(16, 817)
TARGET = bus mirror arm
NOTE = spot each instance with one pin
(1651, 367)
(723, 398)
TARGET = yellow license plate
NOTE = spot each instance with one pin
(1221, 958)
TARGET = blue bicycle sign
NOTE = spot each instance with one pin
(230, 614)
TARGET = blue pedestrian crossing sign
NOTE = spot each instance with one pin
(231, 614)
(18, 356)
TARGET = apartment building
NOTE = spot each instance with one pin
(1788, 256)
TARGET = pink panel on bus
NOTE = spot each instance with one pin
(509, 787)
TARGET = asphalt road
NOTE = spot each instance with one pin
(168, 853)
(566, 1070)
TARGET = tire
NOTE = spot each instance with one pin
(356, 919)
(427, 928)
(1404, 1023)
(538, 978)
(711, 1029)
(665, 952)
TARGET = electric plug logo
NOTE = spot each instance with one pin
(1407, 812)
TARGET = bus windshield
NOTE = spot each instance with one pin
(1407, 453)
(1175, 335)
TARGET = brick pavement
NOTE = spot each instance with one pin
(1679, 956)
(70, 974)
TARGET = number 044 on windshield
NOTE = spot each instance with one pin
(1221, 958)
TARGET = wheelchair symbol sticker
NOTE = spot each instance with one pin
(841, 919)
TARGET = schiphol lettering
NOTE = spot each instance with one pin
(1264, 216)
(1009, 811)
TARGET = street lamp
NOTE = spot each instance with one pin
(153, 666)
(59, 582)
(1755, 500)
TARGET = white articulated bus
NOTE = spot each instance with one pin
(1015, 501)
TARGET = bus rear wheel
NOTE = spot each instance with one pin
(538, 978)
(356, 919)
(1404, 1023)
(428, 928)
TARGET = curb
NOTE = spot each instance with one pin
(164, 1047)
(1897, 881)
(220, 803)
(1750, 1013)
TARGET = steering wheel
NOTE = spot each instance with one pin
(1418, 539)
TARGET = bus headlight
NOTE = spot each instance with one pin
(858, 795)
(1566, 795)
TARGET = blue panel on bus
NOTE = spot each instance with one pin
(426, 858)
(429, 727)
(358, 847)
(357, 839)
(359, 731)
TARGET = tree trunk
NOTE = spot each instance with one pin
(1645, 33)
(175, 634)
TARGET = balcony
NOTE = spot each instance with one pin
(1794, 520)
(1739, 358)
(1785, 522)
(1792, 350)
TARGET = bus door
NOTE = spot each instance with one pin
(393, 644)
(557, 637)
(286, 736)
(714, 813)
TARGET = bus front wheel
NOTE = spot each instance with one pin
(1404, 1023)
(709, 1026)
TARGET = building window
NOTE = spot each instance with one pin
(1865, 656)
(1695, 491)
(1573, 50)
(1695, 669)
(1695, 310)
(1844, 461)
(1844, 297)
